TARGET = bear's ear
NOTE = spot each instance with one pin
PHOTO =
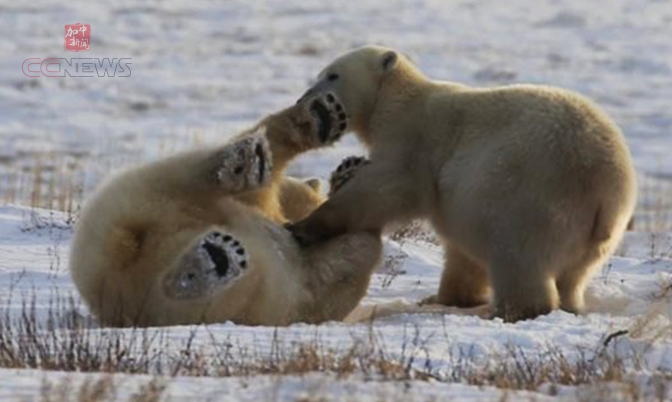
(314, 183)
(389, 60)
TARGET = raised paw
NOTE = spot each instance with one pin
(215, 262)
(329, 115)
(345, 171)
(245, 164)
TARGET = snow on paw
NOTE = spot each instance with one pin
(246, 163)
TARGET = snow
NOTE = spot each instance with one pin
(203, 70)
(263, 389)
(625, 296)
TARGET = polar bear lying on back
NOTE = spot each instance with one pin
(531, 187)
(197, 237)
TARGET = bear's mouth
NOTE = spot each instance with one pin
(319, 111)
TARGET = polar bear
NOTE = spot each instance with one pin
(197, 237)
(530, 186)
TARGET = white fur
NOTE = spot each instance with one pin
(530, 186)
(144, 231)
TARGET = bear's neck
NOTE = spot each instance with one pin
(400, 95)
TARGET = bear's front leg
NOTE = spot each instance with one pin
(345, 171)
(375, 196)
(338, 272)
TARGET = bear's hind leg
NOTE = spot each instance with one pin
(571, 289)
(464, 283)
(572, 283)
(244, 164)
(234, 168)
(521, 289)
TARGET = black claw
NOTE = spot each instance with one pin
(343, 126)
(235, 243)
(243, 264)
(238, 169)
(339, 107)
(330, 98)
(341, 116)
(227, 238)
(259, 152)
(240, 251)
(322, 113)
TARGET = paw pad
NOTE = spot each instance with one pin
(345, 171)
(246, 164)
(213, 263)
(226, 256)
(330, 116)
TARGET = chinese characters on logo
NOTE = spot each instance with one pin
(77, 37)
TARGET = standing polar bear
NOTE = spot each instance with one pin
(531, 187)
(197, 237)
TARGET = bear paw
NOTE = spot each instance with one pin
(245, 164)
(345, 171)
(215, 262)
(227, 256)
(329, 115)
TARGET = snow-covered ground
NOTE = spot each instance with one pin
(628, 295)
(202, 70)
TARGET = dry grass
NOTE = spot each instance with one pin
(43, 180)
(65, 341)
(98, 389)
(655, 205)
(60, 180)
(415, 231)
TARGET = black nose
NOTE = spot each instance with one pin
(305, 95)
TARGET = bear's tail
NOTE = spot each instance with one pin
(609, 221)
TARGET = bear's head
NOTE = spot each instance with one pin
(354, 80)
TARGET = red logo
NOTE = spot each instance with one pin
(77, 37)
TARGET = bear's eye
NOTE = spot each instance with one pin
(332, 77)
